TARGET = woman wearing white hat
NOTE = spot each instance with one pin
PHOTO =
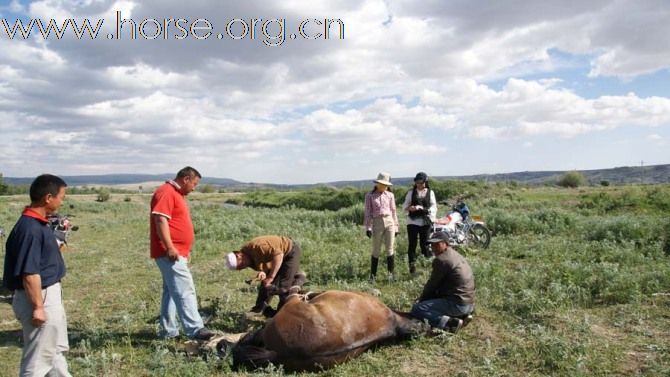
(381, 222)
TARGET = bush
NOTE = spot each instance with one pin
(504, 222)
(207, 189)
(448, 190)
(666, 239)
(572, 179)
(622, 229)
(3, 186)
(103, 195)
(315, 199)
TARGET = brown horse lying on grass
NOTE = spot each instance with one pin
(314, 332)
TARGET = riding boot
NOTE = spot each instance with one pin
(262, 300)
(390, 264)
(412, 268)
(374, 262)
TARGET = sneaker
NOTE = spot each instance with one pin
(455, 324)
(444, 322)
(467, 320)
(204, 334)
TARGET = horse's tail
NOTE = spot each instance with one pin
(252, 357)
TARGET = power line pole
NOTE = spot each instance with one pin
(642, 172)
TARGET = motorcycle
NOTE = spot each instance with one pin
(61, 227)
(463, 229)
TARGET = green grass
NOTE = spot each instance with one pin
(576, 282)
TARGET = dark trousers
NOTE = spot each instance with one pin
(414, 231)
(285, 279)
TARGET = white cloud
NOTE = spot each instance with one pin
(530, 108)
(407, 74)
(142, 76)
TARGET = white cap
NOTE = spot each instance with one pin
(231, 261)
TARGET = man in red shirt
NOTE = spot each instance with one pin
(171, 236)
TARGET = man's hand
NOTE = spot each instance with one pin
(261, 276)
(172, 254)
(39, 317)
(368, 233)
(267, 282)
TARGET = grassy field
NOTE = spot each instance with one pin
(576, 282)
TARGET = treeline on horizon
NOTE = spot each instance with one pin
(337, 198)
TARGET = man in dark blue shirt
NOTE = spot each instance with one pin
(33, 269)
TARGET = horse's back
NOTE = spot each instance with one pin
(310, 334)
(333, 322)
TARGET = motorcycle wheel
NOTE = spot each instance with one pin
(479, 236)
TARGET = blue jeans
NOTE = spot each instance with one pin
(433, 310)
(178, 298)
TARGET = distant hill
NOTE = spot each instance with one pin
(121, 179)
(616, 176)
(620, 175)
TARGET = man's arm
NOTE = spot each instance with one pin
(276, 264)
(32, 284)
(163, 231)
(433, 283)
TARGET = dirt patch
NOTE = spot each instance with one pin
(483, 329)
(636, 363)
(604, 332)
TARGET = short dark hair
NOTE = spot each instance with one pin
(188, 172)
(45, 184)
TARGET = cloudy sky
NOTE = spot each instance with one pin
(447, 87)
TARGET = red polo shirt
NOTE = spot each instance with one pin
(170, 203)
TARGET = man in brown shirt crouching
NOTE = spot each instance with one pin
(449, 293)
(277, 260)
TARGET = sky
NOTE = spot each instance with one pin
(446, 87)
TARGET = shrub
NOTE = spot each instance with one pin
(316, 199)
(3, 186)
(572, 179)
(504, 222)
(666, 239)
(207, 189)
(604, 183)
(103, 195)
(448, 190)
(553, 220)
(622, 229)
